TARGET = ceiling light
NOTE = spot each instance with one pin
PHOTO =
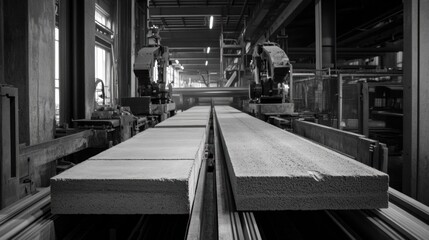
(182, 67)
(177, 61)
(208, 50)
(207, 62)
(211, 22)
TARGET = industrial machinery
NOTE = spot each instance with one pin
(152, 100)
(272, 74)
(271, 69)
(111, 126)
(150, 69)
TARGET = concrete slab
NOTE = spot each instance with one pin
(155, 172)
(192, 115)
(125, 187)
(177, 122)
(201, 109)
(276, 170)
(159, 144)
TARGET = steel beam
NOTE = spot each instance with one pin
(195, 58)
(193, 55)
(284, 18)
(192, 11)
(416, 96)
(124, 48)
(34, 156)
(325, 25)
(190, 43)
(2, 81)
(187, 35)
(191, 49)
(258, 15)
(346, 51)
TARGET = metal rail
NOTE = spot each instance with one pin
(231, 224)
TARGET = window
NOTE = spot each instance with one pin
(103, 62)
(102, 17)
(103, 67)
(399, 56)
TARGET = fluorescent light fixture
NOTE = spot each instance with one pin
(211, 22)
(182, 67)
(177, 61)
(207, 62)
(208, 50)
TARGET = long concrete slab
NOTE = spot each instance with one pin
(191, 116)
(199, 109)
(177, 122)
(125, 187)
(197, 116)
(155, 172)
(271, 169)
(158, 144)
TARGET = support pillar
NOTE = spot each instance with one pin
(29, 65)
(325, 14)
(125, 35)
(77, 59)
(416, 99)
(2, 81)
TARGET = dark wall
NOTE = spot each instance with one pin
(29, 65)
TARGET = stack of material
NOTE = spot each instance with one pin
(271, 169)
(155, 172)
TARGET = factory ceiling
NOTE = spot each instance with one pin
(364, 27)
(185, 26)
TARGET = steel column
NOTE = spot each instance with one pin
(325, 12)
(416, 98)
(124, 47)
(66, 60)
(2, 81)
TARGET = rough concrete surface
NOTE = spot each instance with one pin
(191, 116)
(125, 187)
(155, 172)
(276, 170)
(174, 123)
(158, 144)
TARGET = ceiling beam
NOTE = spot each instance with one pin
(196, 59)
(192, 11)
(190, 43)
(259, 13)
(284, 18)
(199, 63)
(350, 50)
(189, 35)
(191, 49)
(241, 14)
(197, 55)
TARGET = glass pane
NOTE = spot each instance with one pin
(103, 67)
(57, 60)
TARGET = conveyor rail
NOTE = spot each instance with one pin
(404, 219)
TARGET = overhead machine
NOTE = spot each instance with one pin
(150, 68)
(272, 71)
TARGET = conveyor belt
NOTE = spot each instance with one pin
(31, 218)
